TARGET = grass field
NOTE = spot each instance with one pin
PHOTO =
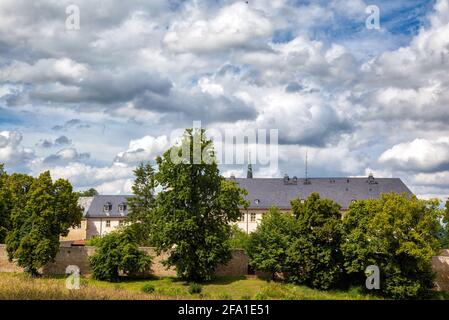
(20, 286)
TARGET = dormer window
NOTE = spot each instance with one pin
(122, 207)
(107, 207)
(257, 201)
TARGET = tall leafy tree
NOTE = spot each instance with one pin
(4, 205)
(314, 256)
(194, 208)
(42, 212)
(269, 244)
(397, 234)
(13, 193)
(141, 205)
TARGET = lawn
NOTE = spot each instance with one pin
(20, 286)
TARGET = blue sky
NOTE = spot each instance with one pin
(89, 104)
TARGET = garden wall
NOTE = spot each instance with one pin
(237, 266)
(78, 256)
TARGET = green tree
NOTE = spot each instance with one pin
(239, 239)
(5, 220)
(116, 253)
(141, 205)
(269, 244)
(314, 256)
(48, 210)
(397, 234)
(88, 193)
(194, 208)
(443, 232)
(13, 193)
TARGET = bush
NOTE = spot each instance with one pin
(239, 239)
(195, 288)
(397, 234)
(268, 245)
(148, 288)
(118, 253)
(314, 257)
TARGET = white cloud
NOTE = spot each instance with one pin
(234, 26)
(143, 149)
(418, 155)
(11, 151)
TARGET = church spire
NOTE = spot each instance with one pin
(249, 172)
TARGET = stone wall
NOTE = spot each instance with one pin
(440, 265)
(237, 266)
(78, 256)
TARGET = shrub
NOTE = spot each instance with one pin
(314, 257)
(195, 288)
(118, 253)
(239, 238)
(148, 288)
(268, 245)
(397, 234)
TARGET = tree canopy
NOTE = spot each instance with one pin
(314, 256)
(118, 253)
(142, 203)
(397, 234)
(41, 212)
(193, 211)
(269, 244)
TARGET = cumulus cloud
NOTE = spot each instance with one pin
(356, 98)
(49, 143)
(65, 156)
(234, 26)
(419, 155)
(143, 149)
(12, 153)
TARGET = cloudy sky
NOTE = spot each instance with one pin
(89, 104)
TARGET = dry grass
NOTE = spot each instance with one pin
(22, 287)
(19, 286)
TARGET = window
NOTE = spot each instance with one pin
(253, 217)
(257, 201)
(107, 207)
(108, 223)
(242, 218)
(122, 207)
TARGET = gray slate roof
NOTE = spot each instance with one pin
(275, 192)
(93, 206)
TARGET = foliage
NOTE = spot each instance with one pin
(399, 236)
(239, 239)
(88, 193)
(443, 230)
(118, 252)
(41, 212)
(142, 203)
(314, 257)
(195, 288)
(148, 288)
(194, 208)
(5, 221)
(268, 245)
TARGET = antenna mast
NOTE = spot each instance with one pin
(307, 173)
